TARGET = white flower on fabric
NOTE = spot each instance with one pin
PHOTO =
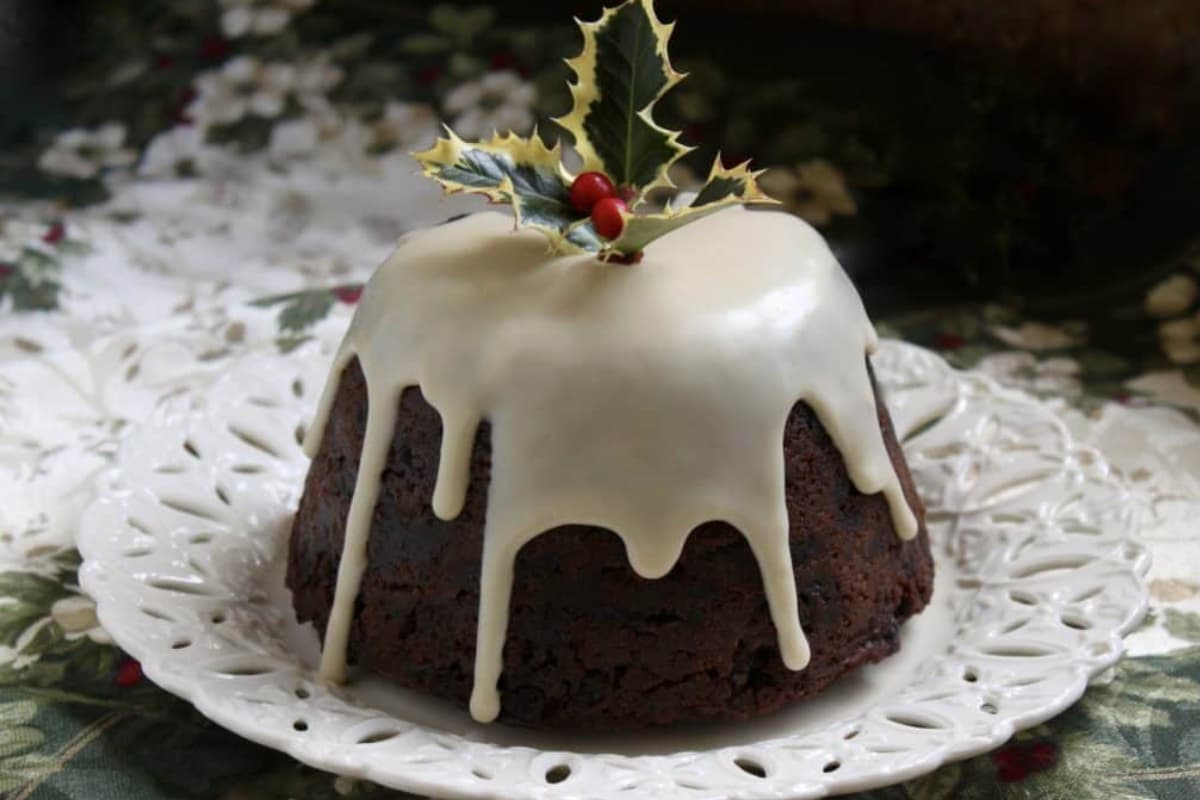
(464, 24)
(301, 136)
(1172, 296)
(180, 150)
(294, 137)
(76, 615)
(1040, 336)
(243, 85)
(1058, 376)
(16, 235)
(81, 153)
(1180, 339)
(316, 77)
(344, 786)
(815, 190)
(404, 126)
(1167, 386)
(259, 17)
(499, 101)
(170, 151)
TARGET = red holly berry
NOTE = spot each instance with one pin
(54, 234)
(1011, 774)
(129, 674)
(6, 270)
(606, 217)
(590, 188)
(163, 61)
(348, 294)
(429, 74)
(1043, 755)
(214, 48)
(507, 60)
(178, 111)
(1015, 762)
(948, 341)
(1006, 756)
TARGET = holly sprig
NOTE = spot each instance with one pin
(622, 72)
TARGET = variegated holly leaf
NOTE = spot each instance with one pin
(583, 236)
(546, 206)
(724, 188)
(621, 73)
(509, 169)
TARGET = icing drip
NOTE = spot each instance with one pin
(646, 400)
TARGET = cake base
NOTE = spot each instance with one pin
(590, 644)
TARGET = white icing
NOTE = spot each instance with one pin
(645, 399)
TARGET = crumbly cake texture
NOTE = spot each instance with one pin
(591, 645)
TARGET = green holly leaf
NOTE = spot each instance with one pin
(1183, 625)
(583, 235)
(27, 623)
(289, 342)
(32, 282)
(464, 24)
(498, 168)
(509, 169)
(16, 713)
(298, 311)
(724, 188)
(19, 763)
(304, 311)
(621, 73)
(30, 597)
(425, 44)
(34, 296)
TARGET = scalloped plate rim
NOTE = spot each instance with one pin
(93, 579)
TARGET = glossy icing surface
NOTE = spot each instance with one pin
(645, 399)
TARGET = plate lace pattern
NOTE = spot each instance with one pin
(1042, 532)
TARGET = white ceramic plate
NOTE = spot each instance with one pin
(1039, 576)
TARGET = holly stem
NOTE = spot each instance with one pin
(625, 258)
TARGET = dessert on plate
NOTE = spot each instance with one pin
(588, 465)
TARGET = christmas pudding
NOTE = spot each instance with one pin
(638, 477)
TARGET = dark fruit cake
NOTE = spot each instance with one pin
(591, 644)
(594, 465)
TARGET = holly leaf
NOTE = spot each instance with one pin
(33, 281)
(1183, 625)
(304, 311)
(510, 169)
(30, 597)
(39, 295)
(621, 73)
(497, 168)
(542, 201)
(724, 188)
(583, 235)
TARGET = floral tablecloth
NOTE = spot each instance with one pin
(222, 177)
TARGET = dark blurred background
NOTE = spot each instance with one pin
(1043, 153)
